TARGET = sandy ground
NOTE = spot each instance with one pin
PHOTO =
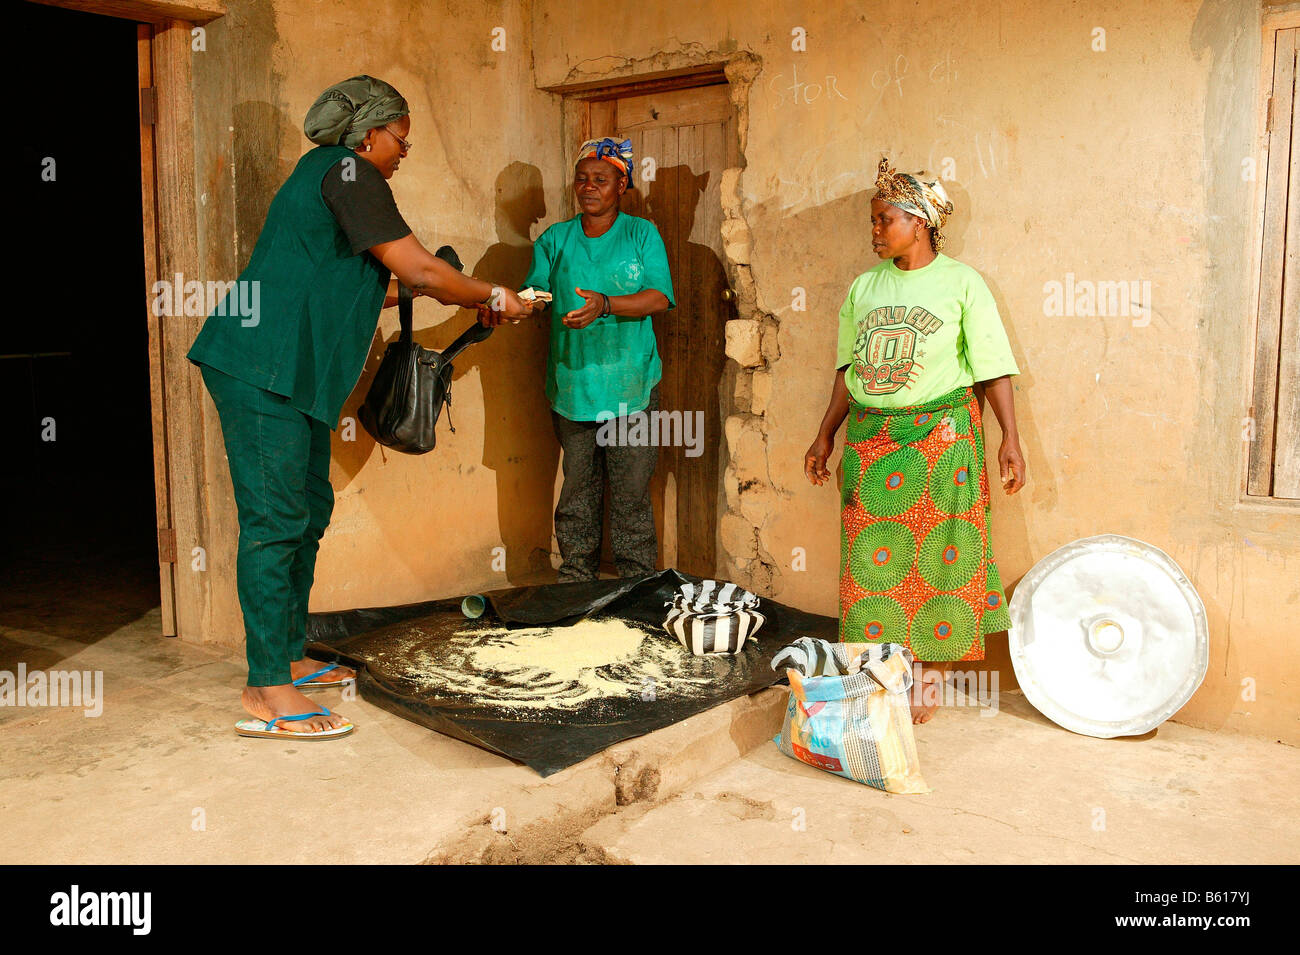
(161, 776)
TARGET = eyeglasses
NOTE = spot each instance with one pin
(406, 146)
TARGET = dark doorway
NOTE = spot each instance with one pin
(79, 556)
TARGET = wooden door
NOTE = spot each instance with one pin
(198, 600)
(1274, 465)
(689, 137)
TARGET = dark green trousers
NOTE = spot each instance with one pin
(279, 465)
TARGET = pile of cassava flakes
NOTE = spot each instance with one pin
(547, 668)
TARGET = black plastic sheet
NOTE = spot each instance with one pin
(378, 643)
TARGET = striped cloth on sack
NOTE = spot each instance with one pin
(848, 712)
(713, 617)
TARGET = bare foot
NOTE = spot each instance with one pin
(271, 702)
(307, 666)
(927, 689)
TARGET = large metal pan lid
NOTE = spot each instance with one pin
(1108, 636)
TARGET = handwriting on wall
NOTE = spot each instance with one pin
(962, 146)
(788, 88)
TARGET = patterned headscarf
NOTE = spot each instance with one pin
(915, 194)
(610, 150)
(343, 114)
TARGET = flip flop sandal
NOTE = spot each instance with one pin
(309, 682)
(264, 729)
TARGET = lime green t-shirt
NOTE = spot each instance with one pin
(614, 361)
(908, 337)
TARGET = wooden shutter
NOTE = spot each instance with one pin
(1274, 469)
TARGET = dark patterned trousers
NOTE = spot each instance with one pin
(578, 527)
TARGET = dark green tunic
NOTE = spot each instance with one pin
(318, 302)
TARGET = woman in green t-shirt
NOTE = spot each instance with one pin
(919, 334)
(279, 372)
(608, 274)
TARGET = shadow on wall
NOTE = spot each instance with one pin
(685, 488)
(518, 442)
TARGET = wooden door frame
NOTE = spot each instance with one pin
(578, 100)
(170, 240)
(578, 97)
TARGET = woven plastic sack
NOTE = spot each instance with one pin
(713, 616)
(848, 712)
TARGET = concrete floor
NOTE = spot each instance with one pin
(1013, 788)
(161, 776)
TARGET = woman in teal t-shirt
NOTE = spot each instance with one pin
(608, 273)
(918, 333)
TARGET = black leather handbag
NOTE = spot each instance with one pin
(413, 384)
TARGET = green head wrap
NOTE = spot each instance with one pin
(344, 112)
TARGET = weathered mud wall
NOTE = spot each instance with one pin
(1096, 142)
(1091, 142)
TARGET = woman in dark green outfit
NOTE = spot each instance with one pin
(280, 372)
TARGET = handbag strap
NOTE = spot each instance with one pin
(404, 299)
(470, 336)
(405, 296)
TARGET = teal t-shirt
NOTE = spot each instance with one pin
(613, 361)
(909, 337)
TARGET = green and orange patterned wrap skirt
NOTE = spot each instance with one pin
(916, 560)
